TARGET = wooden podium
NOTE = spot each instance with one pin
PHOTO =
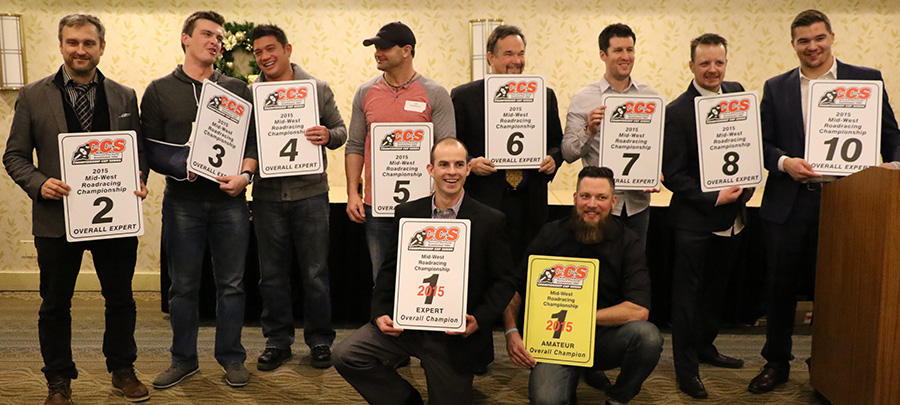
(856, 325)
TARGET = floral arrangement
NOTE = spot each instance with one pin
(237, 58)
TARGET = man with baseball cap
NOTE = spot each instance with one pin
(400, 94)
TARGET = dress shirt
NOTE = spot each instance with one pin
(831, 74)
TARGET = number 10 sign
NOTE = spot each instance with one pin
(843, 131)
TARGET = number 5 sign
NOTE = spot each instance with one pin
(102, 169)
(400, 152)
(843, 131)
(432, 274)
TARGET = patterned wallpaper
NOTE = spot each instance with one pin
(142, 44)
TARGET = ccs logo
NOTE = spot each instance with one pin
(516, 92)
(286, 98)
(435, 238)
(634, 112)
(226, 107)
(563, 276)
(99, 151)
(846, 97)
(403, 139)
(728, 111)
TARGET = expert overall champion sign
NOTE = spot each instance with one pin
(729, 141)
(220, 132)
(400, 152)
(102, 169)
(631, 138)
(560, 310)
(432, 274)
(515, 111)
(284, 111)
(843, 130)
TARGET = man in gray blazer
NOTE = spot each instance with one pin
(77, 98)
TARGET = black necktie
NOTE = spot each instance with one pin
(83, 106)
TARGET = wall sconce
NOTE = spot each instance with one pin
(479, 31)
(12, 52)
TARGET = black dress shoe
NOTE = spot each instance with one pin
(767, 380)
(272, 358)
(692, 386)
(320, 356)
(596, 378)
(721, 360)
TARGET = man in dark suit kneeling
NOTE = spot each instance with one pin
(449, 359)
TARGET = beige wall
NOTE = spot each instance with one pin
(142, 44)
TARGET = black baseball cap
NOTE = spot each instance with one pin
(394, 33)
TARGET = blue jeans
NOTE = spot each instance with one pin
(378, 237)
(634, 346)
(188, 226)
(285, 228)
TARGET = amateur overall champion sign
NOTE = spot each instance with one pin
(284, 111)
(561, 309)
(515, 111)
(102, 169)
(220, 132)
(400, 152)
(729, 141)
(432, 274)
(631, 138)
(843, 131)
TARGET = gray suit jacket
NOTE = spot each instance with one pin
(38, 121)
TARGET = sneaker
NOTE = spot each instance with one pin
(59, 391)
(236, 375)
(272, 358)
(132, 389)
(321, 356)
(173, 376)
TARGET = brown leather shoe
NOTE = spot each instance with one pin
(132, 389)
(59, 391)
(767, 380)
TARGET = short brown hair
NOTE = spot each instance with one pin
(77, 20)
(191, 21)
(810, 17)
(708, 39)
(503, 31)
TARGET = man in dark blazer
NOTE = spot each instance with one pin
(365, 358)
(77, 98)
(790, 205)
(707, 225)
(525, 203)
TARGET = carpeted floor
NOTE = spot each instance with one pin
(21, 381)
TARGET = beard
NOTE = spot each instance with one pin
(586, 232)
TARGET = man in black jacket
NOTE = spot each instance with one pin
(364, 359)
(707, 225)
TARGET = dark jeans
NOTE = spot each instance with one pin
(283, 229)
(791, 250)
(366, 359)
(378, 238)
(188, 226)
(634, 346)
(700, 273)
(59, 262)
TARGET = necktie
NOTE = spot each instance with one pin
(83, 107)
(444, 214)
